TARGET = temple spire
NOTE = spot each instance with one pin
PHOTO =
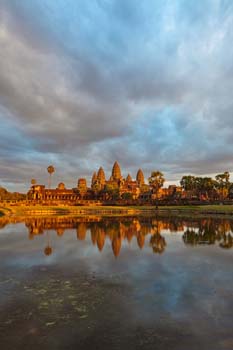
(94, 178)
(116, 171)
(101, 176)
(140, 177)
(129, 178)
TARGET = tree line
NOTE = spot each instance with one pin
(207, 187)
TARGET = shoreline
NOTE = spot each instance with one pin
(37, 211)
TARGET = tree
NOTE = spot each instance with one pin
(230, 190)
(223, 183)
(96, 188)
(156, 181)
(198, 186)
(188, 183)
(50, 170)
(205, 186)
(112, 191)
(127, 196)
(33, 181)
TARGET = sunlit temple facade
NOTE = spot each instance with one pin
(116, 187)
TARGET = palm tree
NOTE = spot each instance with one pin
(50, 170)
(33, 181)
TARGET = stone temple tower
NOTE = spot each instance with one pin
(129, 178)
(101, 176)
(116, 171)
(94, 178)
(140, 178)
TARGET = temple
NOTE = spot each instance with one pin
(100, 229)
(114, 188)
(39, 192)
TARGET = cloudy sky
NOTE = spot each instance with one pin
(84, 83)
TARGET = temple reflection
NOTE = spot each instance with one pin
(146, 231)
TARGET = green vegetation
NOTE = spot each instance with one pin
(206, 187)
(34, 210)
(156, 180)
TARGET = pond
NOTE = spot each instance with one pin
(95, 282)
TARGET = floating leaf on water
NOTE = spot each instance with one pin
(65, 317)
(83, 316)
(80, 309)
(6, 281)
(86, 284)
(71, 296)
(44, 303)
(50, 323)
(42, 291)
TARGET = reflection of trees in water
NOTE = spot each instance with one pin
(3, 222)
(210, 232)
(227, 241)
(158, 243)
(118, 229)
(48, 249)
(60, 231)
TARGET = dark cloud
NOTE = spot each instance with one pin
(84, 83)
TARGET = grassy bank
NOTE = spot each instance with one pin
(72, 210)
(5, 211)
(117, 210)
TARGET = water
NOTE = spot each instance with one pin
(116, 283)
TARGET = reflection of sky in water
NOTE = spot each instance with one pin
(18, 250)
(187, 285)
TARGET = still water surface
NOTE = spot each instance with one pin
(116, 283)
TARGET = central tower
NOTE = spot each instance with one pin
(116, 171)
